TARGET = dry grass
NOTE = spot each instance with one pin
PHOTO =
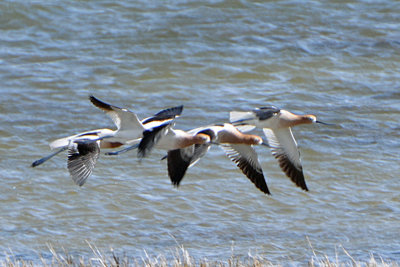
(181, 258)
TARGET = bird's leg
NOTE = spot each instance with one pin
(113, 153)
(44, 159)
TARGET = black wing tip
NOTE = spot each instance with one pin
(165, 114)
(141, 153)
(298, 179)
(265, 190)
(300, 182)
(170, 113)
(177, 109)
(295, 174)
(177, 167)
(79, 183)
(253, 173)
(262, 185)
(304, 187)
(100, 104)
(175, 183)
(144, 146)
(255, 176)
(269, 108)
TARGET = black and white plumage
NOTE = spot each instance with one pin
(284, 149)
(82, 158)
(276, 124)
(83, 152)
(178, 162)
(84, 148)
(237, 146)
(246, 160)
(165, 137)
(163, 116)
(151, 137)
(129, 127)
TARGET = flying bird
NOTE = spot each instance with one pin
(84, 148)
(276, 124)
(237, 146)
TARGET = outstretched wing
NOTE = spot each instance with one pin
(178, 163)
(264, 113)
(165, 115)
(124, 119)
(82, 158)
(179, 160)
(246, 121)
(65, 141)
(246, 159)
(284, 149)
(151, 137)
(242, 120)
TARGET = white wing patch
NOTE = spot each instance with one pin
(245, 128)
(128, 120)
(283, 142)
(237, 116)
(243, 121)
(284, 149)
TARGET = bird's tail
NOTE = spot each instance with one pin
(242, 120)
(62, 142)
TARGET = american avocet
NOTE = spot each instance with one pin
(166, 138)
(84, 148)
(237, 146)
(276, 124)
(129, 127)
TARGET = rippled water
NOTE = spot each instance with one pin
(338, 60)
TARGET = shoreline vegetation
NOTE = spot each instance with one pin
(182, 258)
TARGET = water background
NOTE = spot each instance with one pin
(339, 60)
